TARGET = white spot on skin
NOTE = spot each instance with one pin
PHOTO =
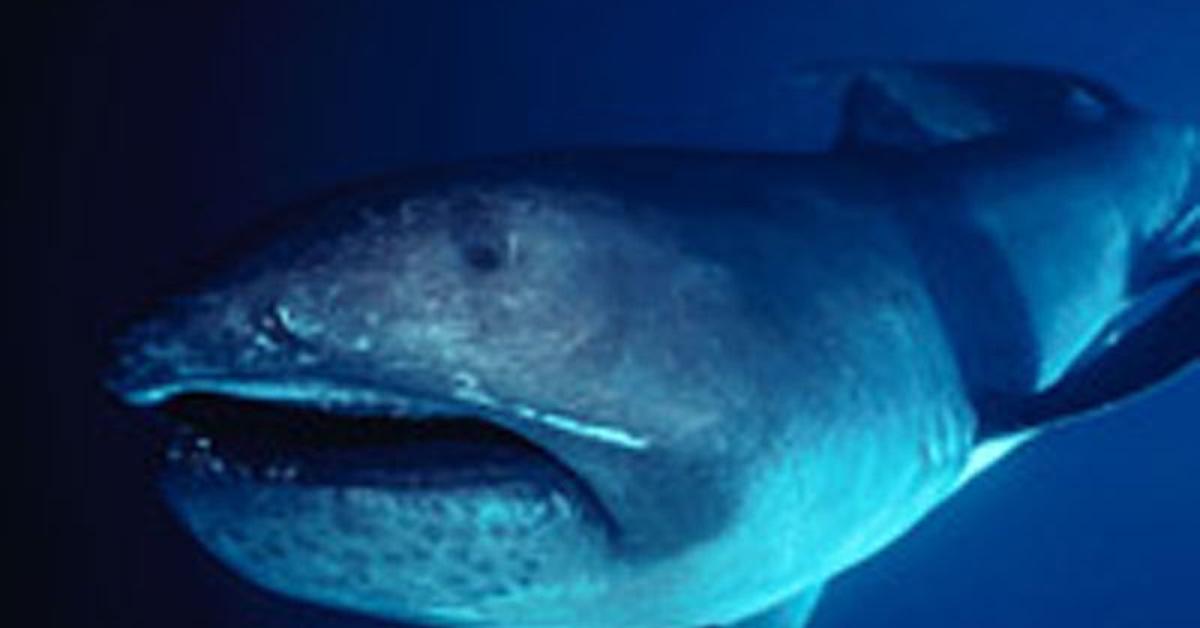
(264, 342)
(595, 432)
(467, 388)
(513, 246)
(465, 379)
(295, 324)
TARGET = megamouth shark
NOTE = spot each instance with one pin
(660, 388)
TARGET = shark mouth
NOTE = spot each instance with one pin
(220, 437)
(223, 437)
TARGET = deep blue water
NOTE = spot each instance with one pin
(173, 129)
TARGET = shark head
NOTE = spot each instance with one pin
(529, 391)
(470, 403)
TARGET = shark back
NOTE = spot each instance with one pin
(1057, 225)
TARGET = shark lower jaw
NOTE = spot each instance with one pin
(442, 515)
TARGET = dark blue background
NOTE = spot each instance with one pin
(166, 130)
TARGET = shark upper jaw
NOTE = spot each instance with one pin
(305, 431)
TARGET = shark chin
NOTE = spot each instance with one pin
(433, 515)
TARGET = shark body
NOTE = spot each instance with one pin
(665, 387)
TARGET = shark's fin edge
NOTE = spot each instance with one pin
(1151, 351)
(921, 106)
(794, 612)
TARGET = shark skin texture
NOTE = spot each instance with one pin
(661, 387)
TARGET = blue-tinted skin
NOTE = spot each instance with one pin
(761, 368)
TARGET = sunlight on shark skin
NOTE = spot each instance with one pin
(526, 391)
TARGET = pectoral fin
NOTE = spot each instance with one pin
(1161, 345)
(1175, 253)
(793, 613)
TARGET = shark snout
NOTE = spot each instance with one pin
(265, 337)
(192, 341)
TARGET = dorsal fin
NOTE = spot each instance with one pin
(1154, 348)
(922, 106)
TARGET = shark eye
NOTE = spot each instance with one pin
(479, 234)
(482, 256)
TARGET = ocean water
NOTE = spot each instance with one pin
(175, 128)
